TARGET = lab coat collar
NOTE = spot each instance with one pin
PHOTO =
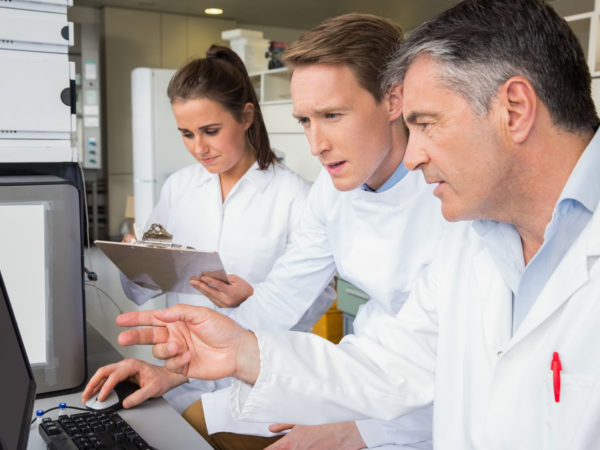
(404, 190)
(573, 271)
(258, 178)
(570, 275)
(579, 186)
(204, 176)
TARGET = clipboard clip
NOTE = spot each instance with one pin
(157, 236)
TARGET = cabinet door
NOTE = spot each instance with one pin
(34, 30)
(31, 84)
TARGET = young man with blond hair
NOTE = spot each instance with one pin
(366, 218)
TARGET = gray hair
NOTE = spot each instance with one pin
(479, 44)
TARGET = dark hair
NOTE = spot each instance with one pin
(363, 42)
(222, 77)
(482, 43)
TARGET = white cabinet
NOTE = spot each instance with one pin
(35, 30)
(36, 81)
(34, 96)
(285, 133)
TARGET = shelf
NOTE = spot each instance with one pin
(272, 85)
(584, 21)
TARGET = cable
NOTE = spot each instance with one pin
(106, 295)
(57, 407)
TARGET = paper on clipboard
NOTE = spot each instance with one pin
(166, 268)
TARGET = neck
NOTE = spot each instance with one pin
(229, 178)
(551, 162)
(393, 159)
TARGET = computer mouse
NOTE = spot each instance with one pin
(115, 398)
(111, 402)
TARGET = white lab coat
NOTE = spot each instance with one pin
(453, 338)
(250, 230)
(380, 242)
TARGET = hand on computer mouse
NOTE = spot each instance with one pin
(110, 402)
(151, 381)
(114, 400)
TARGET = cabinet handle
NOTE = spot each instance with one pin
(67, 96)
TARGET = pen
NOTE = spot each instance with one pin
(556, 367)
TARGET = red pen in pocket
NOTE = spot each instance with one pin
(556, 367)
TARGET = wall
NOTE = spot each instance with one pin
(275, 33)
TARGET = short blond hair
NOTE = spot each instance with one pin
(363, 42)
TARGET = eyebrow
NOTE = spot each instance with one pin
(203, 127)
(324, 110)
(415, 116)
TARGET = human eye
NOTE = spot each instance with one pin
(187, 135)
(419, 126)
(332, 115)
(212, 131)
(303, 121)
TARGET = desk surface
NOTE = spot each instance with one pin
(154, 420)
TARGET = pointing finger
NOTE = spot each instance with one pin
(144, 336)
(138, 318)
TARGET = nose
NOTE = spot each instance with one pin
(415, 156)
(317, 139)
(200, 146)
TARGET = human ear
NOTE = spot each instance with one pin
(520, 101)
(248, 115)
(394, 99)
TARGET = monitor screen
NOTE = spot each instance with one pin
(41, 262)
(17, 389)
(24, 235)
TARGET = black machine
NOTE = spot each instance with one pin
(88, 430)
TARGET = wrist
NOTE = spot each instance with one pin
(247, 359)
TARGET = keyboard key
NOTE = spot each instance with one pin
(118, 437)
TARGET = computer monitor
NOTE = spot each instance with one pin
(42, 265)
(17, 389)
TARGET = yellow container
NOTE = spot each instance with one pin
(331, 325)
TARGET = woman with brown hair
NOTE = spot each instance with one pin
(239, 201)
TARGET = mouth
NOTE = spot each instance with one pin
(438, 189)
(209, 159)
(335, 167)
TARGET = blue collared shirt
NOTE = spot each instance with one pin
(572, 212)
(398, 174)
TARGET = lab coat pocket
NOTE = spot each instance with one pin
(565, 420)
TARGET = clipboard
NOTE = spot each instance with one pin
(168, 268)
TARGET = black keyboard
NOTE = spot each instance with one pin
(90, 431)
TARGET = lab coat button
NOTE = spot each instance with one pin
(499, 354)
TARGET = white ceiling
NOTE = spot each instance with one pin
(304, 14)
